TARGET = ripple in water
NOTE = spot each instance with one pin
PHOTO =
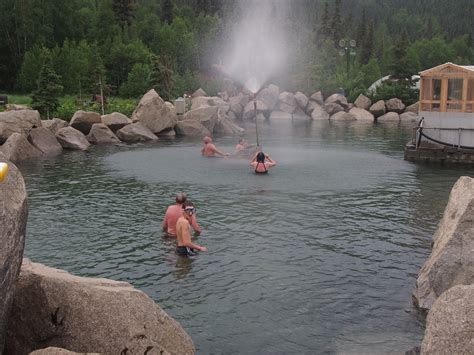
(319, 256)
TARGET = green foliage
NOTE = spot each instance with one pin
(45, 97)
(161, 77)
(137, 82)
(31, 67)
(185, 83)
(390, 89)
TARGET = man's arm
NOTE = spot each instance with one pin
(186, 239)
(217, 151)
(195, 225)
(164, 225)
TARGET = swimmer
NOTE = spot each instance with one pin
(262, 162)
(172, 215)
(210, 150)
(185, 246)
(241, 145)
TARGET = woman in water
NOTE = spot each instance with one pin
(262, 162)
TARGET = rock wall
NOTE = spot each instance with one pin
(53, 308)
(13, 217)
(451, 261)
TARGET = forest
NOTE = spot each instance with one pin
(129, 46)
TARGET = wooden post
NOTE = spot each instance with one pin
(444, 94)
(464, 94)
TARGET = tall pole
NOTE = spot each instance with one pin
(101, 96)
(256, 121)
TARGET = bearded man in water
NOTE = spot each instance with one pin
(210, 150)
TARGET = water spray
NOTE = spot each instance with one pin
(256, 121)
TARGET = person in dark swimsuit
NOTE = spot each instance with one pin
(262, 162)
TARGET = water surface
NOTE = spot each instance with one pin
(319, 256)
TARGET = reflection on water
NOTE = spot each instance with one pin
(319, 256)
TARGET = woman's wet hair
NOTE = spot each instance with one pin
(207, 140)
(181, 197)
(261, 157)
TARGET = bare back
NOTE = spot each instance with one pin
(183, 233)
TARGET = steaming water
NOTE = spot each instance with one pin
(320, 256)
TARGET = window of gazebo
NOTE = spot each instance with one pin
(447, 93)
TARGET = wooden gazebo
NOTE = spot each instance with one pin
(447, 88)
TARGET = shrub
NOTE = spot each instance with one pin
(392, 89)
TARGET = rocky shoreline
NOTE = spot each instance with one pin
(23, 135)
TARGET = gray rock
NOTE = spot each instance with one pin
(45, 141)
(342, 116)
(58, 351)
(199, 92)
(101, 134)
(12, 239)
(17, 148)
(240, 99)
(249, 110)
(337, 99)
(115, 121)
(332, 108)
(318, 112)
(54, 125)
(378, 109)
(225, 127)
(21, 121)
(83, 120)
(206, 115)
(450, 323)
(136, 132)
(409, 116)
(280, 116)
(300, 115)
(413, 108)
(153, 113)
(191, 128)
(389, 116)
(205, 101)
(302, 100)
(361, 114)
(287, 102)
(318, 98)
(363, 102)
(168, 133)
(71, 138)
(269, 96)
(54, 308)
(451, 261)
(395, 105)
(16, 107)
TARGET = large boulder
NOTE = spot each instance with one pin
(153, 113)
(317, 111)
(199, 92)
(207, 116)
(362, 102)
(21, 121)
(395, 105)
(378, 109)
(136, 132)
(54, 124)
(389, 116)
(302, 100)
(12, 239)
(57, 351)
(191, 128)
(45, 141)
(409, 117)
(317, 97)
(332, 108)
(205, 101)
(249, 110)
(71, 138)
(225, 127)
(361, 114)
(450, 323)
(337, 99)
(269, 96)
(280, 116)
(101, 134)
(115, 121)
(342, 116)
(451, 261)
(413, 108)
(287, 102)
(83, 120)
(17, 148)
(54, 308)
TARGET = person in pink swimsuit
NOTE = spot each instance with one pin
(262, 162)
(210, 150)
(173, 213)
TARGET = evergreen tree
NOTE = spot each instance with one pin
(362, 28)
(336, 23)
(367, 45)
(45, 97)
(124, 12)
(161, 76)
(400, 65)
(167, 11)
(325, 27)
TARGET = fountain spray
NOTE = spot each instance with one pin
(256, 121)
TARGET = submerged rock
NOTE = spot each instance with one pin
(45, 141)
(378, 109)
(136, 132)
(361, 114)
(71, 138)
(17, 148)
(12, 239)
(21, 121)
(191, 128)
(83, 120)
(54, 308)
(362, 102)
(337, 99)
(101, 134)
(115, 121)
